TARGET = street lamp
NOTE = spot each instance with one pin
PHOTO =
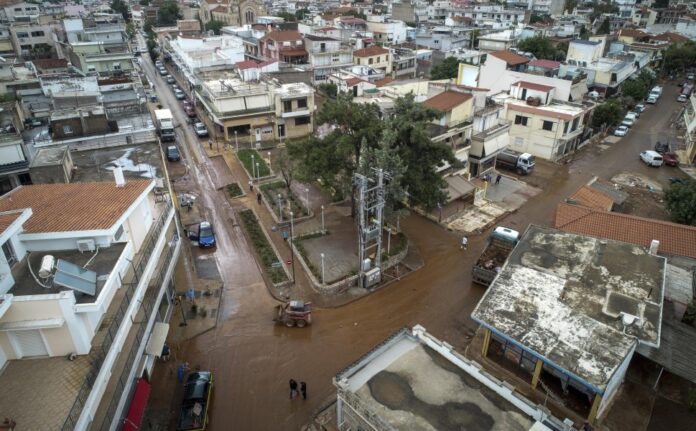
(292, 253)
(322, 268)
(236, 142)
(322, 219)
(269, 160)
(307, 198)
(253, 173)
(258, 172)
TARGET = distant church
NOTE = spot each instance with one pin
(232, 12)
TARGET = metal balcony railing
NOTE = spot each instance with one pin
(99, 352)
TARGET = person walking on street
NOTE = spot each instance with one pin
(465, 242)
(497, 179)
(293, 388)
(303, 390)
(210, 144)
(258, 197)
(251, 186)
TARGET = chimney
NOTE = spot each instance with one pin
(654, 245)
(118, 177)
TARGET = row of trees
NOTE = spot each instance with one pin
(360, 140)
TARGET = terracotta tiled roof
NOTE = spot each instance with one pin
(249, 64)
(592, 198)
(671, 37)
(188, 25)
(219, 9)
(50, 63)
(511, 58)
(73, 207)
(548, 64)
(675, 239)
(136, 7)
(283, 36)
(354, 81)
(370, 51)
(629, 32)
(383, 82)
(216, 1)
(447, 100)
(6, 219)
(533, 86)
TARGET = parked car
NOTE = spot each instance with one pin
(179, 94)
(629, 120)
(677, 180)
(682, 98)
(651, 158)
(170, 79)
(651, 100)
(639, 108)
(158, 64)
(206, 236)
(173, 154)
(662, 147)
(690, 77)
(190, 112)
(196, 403)
(162, 71)
(621, 131)
(200, 129)
(670, 159)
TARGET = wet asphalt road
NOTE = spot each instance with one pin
(253, 359)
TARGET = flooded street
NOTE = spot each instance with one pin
(253, 359)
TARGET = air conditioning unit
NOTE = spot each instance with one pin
(86, 245)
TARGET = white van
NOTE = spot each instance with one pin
(630, 119)
(651, 158)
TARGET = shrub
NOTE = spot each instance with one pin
(263, 248)
(245, 157)
(234, 191)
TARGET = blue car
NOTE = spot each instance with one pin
(206, 236)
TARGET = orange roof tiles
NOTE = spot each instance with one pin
(533, 86)
(370, 51)
(7, 219)
(283, 36)
(73, 207)
(511, 58)
(675, 239)
(447, 100)
(592, 198)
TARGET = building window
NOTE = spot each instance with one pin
(67, 129)
(576, 121)
(301, 103)
(91, 69)
(287, 106)
(301, 121)
(22, 34)
(369, 61)
(37, 33)
(117, 66)
(565, 127)
(519, 119)
(10, 255)
(547, 125)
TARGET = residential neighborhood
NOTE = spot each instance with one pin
(348, 215)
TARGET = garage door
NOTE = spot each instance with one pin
(30, 343)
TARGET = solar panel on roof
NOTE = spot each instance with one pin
(75, 277)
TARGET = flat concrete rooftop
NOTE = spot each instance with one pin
(103, 263)
(138, 162)
(561, 296)
(410, 386)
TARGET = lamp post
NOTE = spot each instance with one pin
(258, 172)
(388, 241)
(269, 160)
(292, 253)
(253, 163)
(322, 219)
(322, 268)
(306, 190)
(236, 142)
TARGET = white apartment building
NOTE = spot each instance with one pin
(211, 53)
(541, 126)
(85, 282)
(386, 31)
(491, 15)
(326, 56)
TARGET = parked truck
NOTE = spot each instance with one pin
(193, 415)
(165, 124)
(500, 244)
(522, 163)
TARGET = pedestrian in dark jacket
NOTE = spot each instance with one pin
(497, 179)
(303, 390)
(258, 197)
(293, 388)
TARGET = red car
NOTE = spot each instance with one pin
(188, 109)
(670, 159)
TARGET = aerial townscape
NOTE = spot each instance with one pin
(348, 215)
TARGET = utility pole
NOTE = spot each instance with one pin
(370, 224)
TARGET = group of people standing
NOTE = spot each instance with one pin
(293, 389)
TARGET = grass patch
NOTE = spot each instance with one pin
(245, 156)
(272, 190)
(398, 244)
(234, 191)
(262, 247)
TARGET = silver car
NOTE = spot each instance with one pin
(200, 129)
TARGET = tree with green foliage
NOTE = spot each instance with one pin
(602, 7)
(287, 16)
(329, 89)
(147, 28)
(678, 57)
(449, 68)
(130, 30)
(120, 6)
(168, 13)
(152, 48)
(333, 159)
(584, 33)
(570, 5)
(608, 113)
(384, 157)
(144, 2)
(639, 87)
(287, 167)
(541, 47)
(300, 14)
(605, 28)
(680, 200)
(215, 26)
(420, 155)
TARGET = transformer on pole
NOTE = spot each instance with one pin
(370, 197)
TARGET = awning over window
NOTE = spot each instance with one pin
(159, 335)
(137, 406)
